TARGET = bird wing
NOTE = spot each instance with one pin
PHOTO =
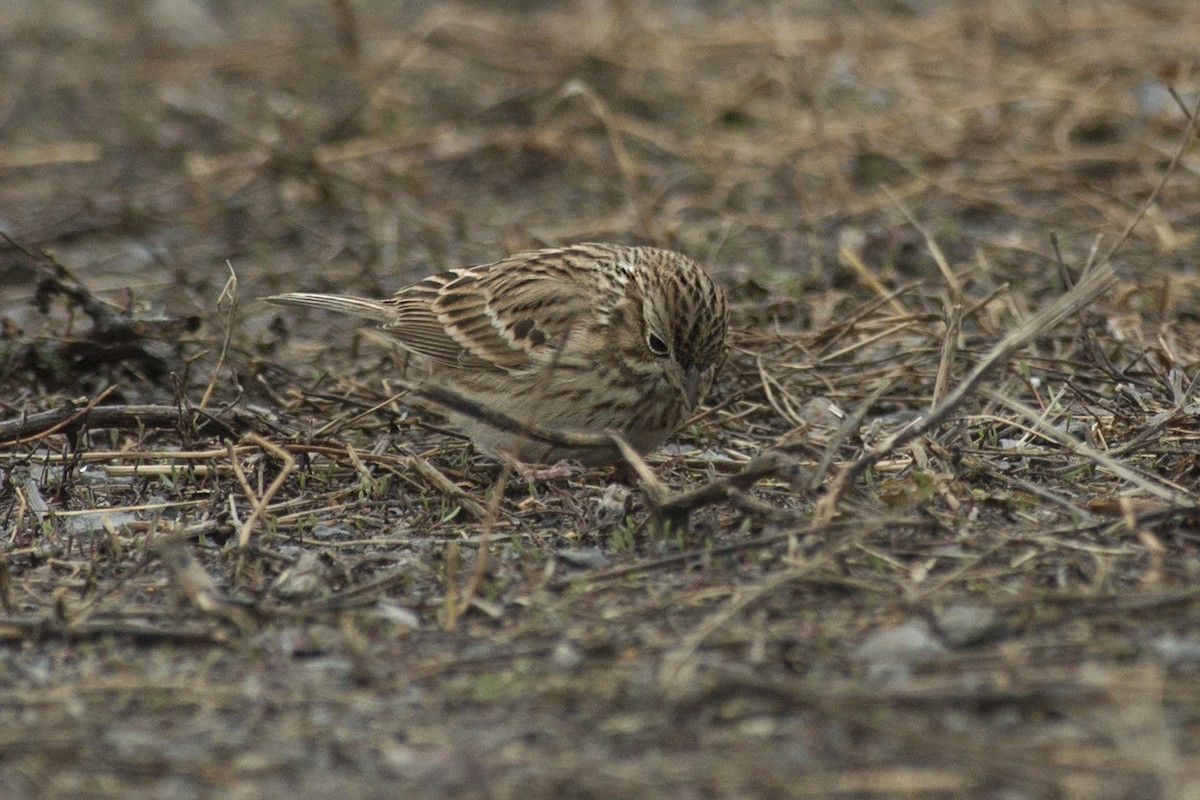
(509, 315)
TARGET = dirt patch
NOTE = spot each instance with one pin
(934, 534)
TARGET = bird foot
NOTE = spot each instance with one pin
(532, 472)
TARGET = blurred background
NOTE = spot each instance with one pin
(335, 144)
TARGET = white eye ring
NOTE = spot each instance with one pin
(657, 346)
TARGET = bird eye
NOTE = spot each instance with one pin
(657, 346)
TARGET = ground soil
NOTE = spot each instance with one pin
(934, 534)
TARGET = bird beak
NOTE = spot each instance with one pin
(691, 388)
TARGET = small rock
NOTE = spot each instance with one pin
(1178, 651)
(566, 656)
(303, 579)
(183, 22)
(611, 509)
(892, 654)
(398, 614)
(587, 557)
(823, 412)
(963, 625)
(819, 419)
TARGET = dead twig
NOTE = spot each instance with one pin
(229, 291)
(55, 427)
(258, 505)
(31, 428)
(954, 316)
(1089, 287)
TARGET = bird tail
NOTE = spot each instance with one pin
(355, 306)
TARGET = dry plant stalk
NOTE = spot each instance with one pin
(1097, 281)
(258, 505)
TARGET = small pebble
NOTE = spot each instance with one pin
(1178, 651)
(963, 625)
(566, 656)
(587, 557)
(611, 509)
(891, 655)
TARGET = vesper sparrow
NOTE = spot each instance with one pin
(580, 340)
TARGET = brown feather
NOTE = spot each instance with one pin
(561, 339)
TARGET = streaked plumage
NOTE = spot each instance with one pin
(577, 339)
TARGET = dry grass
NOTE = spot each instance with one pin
(935, 535)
